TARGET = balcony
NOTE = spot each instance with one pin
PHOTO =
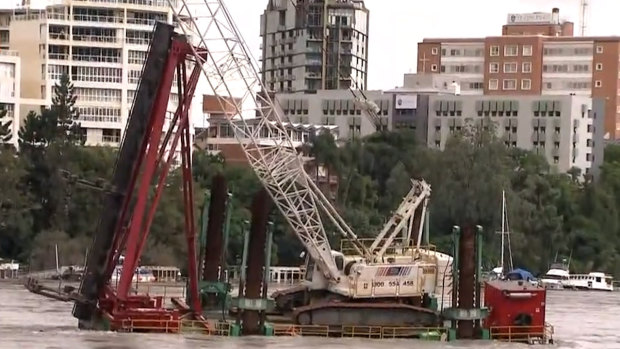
(57, 56)
(149, 3)
(95, 58)
(138, 41)
(97, 19)
(84, 39)
(10, 53)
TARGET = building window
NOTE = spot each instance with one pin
(599, 66)
(511, 50)
(493, 84)
(494, 51)
(493, 67)
(434, 51)
(433, 67)
(527, 50)
(526, 67)
(598, 83)
(510, 84)
(510, 67)
(526, 84)
(599, 49)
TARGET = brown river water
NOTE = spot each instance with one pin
(27, 321)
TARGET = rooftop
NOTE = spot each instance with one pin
(544, 37)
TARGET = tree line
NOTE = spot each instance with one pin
(549, 213)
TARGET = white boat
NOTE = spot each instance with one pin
(594, 281)
(557, 278)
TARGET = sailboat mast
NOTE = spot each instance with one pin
(503, 228)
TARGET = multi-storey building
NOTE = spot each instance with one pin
(410, 102)
(310, 45)
(567, 130)
(10, 69)
(337, 108)
(536, 55)
(101, 45)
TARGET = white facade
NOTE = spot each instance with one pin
(10, 69)
(567, 68)
(566, 130)
(336, 108)
(102, 46)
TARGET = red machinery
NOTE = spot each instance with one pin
(126, 217)
(517, 309)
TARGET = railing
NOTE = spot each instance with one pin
(397, 247)
(111, 139)
(527, 334)
(91, 58)
(143, 21)
(11, 53)
(87, 118)
(137, 41)
(175, 326)
(96, 38)
(97, 18)
(58, 56)
(157, 3)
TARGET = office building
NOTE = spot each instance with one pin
(410, 101)
(566, 130)
(536, 54)
(310, 45)
(101, 45)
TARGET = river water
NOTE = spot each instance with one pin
(27, 321)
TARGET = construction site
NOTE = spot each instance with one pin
(396, 285)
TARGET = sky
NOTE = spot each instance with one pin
(396, 26)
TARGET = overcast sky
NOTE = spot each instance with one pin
(396, 26)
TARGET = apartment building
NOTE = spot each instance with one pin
(567, 130)
(101, 45)
(536, 54)
(10, 70)
(310, 45)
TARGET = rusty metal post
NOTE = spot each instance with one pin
(466, 280)
(261, 205)
(214, 249)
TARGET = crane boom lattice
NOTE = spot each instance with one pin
(231, 73)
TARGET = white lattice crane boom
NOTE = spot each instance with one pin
(403, 218)
(231, 73)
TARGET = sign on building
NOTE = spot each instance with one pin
(406, 102)
(527, 18)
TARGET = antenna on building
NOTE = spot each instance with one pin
(584, 16)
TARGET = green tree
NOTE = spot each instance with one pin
(64, 111)
(6, 134)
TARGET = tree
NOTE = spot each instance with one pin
(15, 206)
(6, 134)
(64, 111)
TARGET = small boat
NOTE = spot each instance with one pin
(557, 277)
(594, 281)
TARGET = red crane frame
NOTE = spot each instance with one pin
(155, 158)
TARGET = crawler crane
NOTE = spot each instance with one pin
(363, 290)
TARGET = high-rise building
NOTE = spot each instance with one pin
(310, 45)
(536, 55)
(100, 44)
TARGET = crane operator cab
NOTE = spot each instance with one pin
(314, 278)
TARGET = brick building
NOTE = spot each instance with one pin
(536, 54)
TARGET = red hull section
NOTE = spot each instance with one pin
(515, 306)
